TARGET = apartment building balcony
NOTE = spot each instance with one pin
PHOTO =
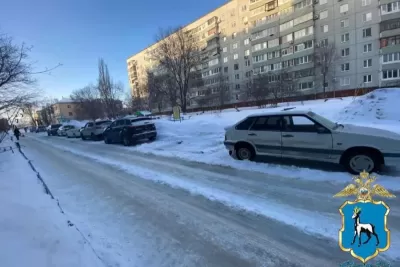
(265, 24)
(390, 44)
(390, 28)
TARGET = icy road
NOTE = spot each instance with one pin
(143, 210)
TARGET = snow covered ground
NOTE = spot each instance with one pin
(33, 231)
(200, 137)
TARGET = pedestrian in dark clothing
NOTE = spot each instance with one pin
(17, 133)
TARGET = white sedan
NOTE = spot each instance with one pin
(74, 133)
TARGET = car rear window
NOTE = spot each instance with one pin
(55, 126)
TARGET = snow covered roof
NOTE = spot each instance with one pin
(65, 100)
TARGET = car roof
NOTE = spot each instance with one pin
(282, 113)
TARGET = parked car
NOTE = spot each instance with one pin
(40, 129)
(129, 130)
(305, 135)
(74, 132)
(52, 129)
(94, 129)
(62, 131)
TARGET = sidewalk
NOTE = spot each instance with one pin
(33, 231)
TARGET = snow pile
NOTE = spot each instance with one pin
(77, 124)
(33, 232)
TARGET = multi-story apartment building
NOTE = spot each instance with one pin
(248, 37)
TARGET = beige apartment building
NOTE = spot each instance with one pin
(64, 110)
(243, 38)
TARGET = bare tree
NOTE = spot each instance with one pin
(324, 57)
(178, 55)
(16, 75)
(109, 91)
(280, 85)
(89, 104)
(29, 110)
(260, 88)
(222, 89)
(205, 99)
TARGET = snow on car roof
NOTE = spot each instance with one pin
(282, 112)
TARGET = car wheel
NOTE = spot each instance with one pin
(245, 152)
(362, 161)
(106, 140)
(83, 137)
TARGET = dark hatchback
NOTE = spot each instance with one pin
(52, 129)
(129, 130)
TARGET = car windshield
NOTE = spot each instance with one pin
(328, 123)
(103, 123)
(56, 126)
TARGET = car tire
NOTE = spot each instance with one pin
(245, 152)
(369, 161)
(126, 141)
(83, 137)
(106, 140)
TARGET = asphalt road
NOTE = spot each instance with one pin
(133, 220)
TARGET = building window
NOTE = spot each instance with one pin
(323, 14)
(247, 52)
(367, 78)
(365, 2)
(389, 41)
(304, 32)
(323, 42)
(324, 28)
(273, 43)
(235, 45)
(225, 69)
(344, 23)
(367, 48)
(259, 58)
(345, 37)
(236, 66)
(303, 46)
(344, 8)
(391, 58)
(287, 38)
(248, 74)
(237, 76)
(224, 39)
(237, 86)
(345, 52)
(287, 51)
(367, 17)
(235, 56)
(247, 63)
(367, 32)
(344, 81)
(69, 106)
(234, 35)
(247, 41)
(323, 2)
(390, 74)
(225, 49)
(244, 8)
(306, 85)
(345, 67)
(390, 8)
(70, 113)
(286, 25)
(225, 59)
(368, 63)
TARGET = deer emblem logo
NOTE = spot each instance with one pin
(364, 220)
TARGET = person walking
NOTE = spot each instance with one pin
(17, 133)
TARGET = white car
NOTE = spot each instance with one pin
(62, 131)
(74, 132)
(94, 129)
(305, 135)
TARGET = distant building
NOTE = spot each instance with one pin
(65, 110)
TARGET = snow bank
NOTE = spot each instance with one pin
(33, 232)
(78, 124)
(200, 137)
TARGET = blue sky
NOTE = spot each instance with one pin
(77, 32)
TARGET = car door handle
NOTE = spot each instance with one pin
(287, 135)
(252, 134)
